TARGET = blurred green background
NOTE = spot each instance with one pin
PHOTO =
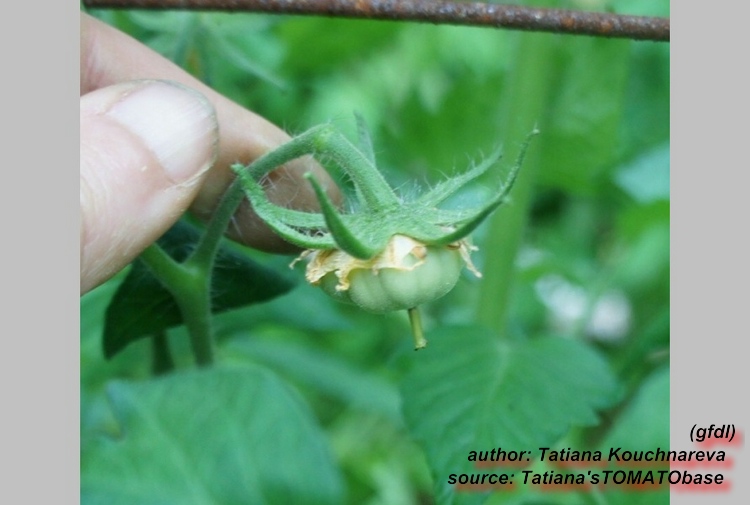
(564, 343)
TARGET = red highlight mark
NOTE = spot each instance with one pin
(724, 487)
(619, 469)
(738, 441)
(483, 488)
(727, 464)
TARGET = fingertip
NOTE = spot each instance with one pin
(176, 123)
(145, 146)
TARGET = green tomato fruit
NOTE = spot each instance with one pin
(404, 275)
(417, 281)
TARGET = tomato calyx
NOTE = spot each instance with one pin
(392, 253)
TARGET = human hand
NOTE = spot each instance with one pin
(154, 142)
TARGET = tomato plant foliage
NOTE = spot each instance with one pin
(478, 393)
(311, 401)
(223, 450)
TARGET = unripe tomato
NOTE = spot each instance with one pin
(390, 289)
(406, 274)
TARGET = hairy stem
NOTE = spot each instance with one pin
(205, 252)
(190, 282)
(528, 77)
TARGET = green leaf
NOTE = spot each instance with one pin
(646, 178)
(650, 402)
(471, 391)
(323, 372)
(219, 436)
(361, 39)
(142, 306)
(229, 42)
(583, 129)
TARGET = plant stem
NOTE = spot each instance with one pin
(205, 252)
(190, 287)
(195, 306)
(529, 77)
(162, 361)
(190, 282)
(416, 328)
(164, 268)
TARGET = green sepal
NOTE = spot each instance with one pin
(261, 203)
(345, 239)
(446, 188)
(285, 222)
(469, 226)
(381, 214)
(372, 189)
(447, 217)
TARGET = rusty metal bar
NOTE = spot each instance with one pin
(430, 11)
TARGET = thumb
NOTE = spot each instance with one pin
(145, 146)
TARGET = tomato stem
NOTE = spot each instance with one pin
(530, 76)
(416, 328)
(189, 285)
(161, 360)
